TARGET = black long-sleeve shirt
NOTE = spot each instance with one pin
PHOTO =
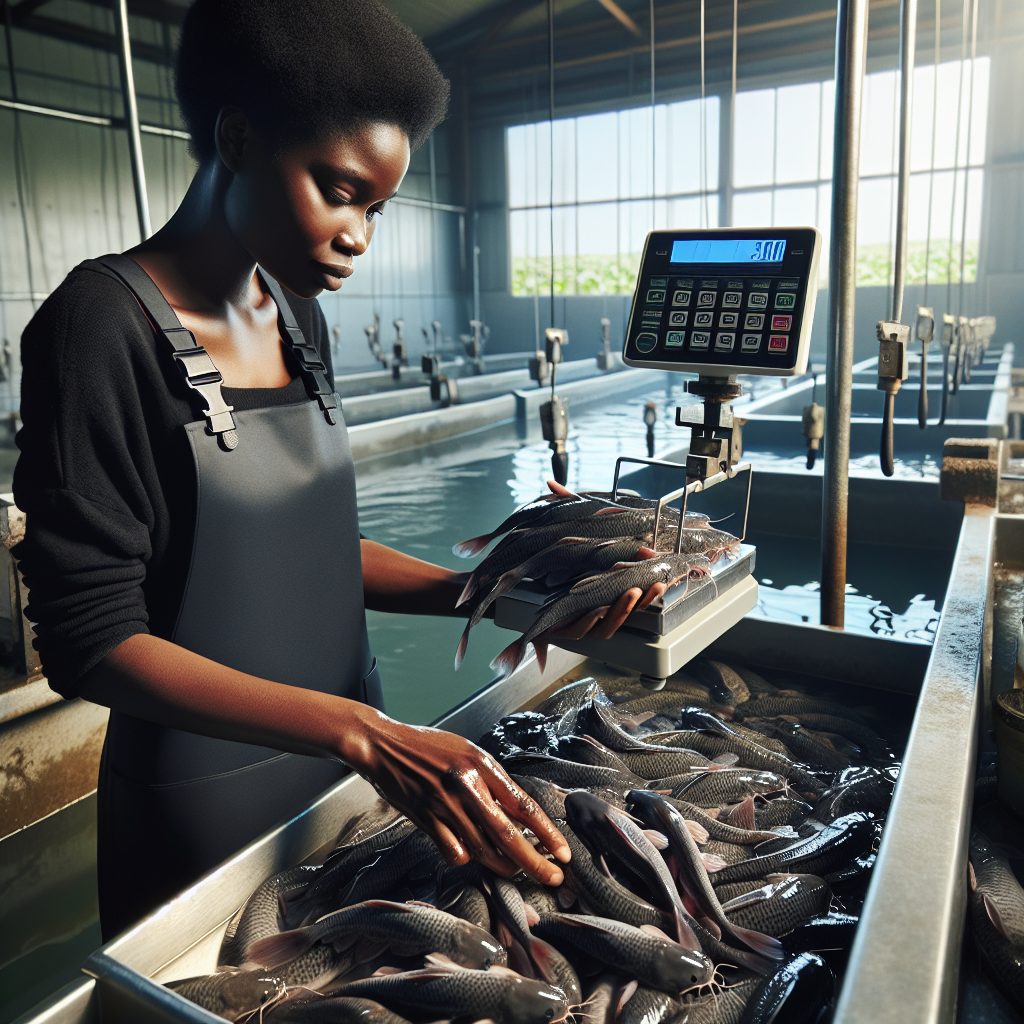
(106, 476)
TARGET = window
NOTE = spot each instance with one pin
(606, 198)
(782, 167)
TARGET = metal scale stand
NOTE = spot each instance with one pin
(717, 303)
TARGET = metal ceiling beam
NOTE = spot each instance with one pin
(621, 16)
(470, 30)
(90, 37)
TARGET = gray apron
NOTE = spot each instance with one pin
(274, 589)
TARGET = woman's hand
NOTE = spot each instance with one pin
(601, 623)
(457, 793)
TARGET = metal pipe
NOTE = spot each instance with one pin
(851, 47)
(131, 117)
(908, 40)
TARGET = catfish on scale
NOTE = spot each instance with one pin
(600, 592)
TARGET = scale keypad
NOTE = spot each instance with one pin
(724, 316)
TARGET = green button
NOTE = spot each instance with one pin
(675, 339)
(785, 300)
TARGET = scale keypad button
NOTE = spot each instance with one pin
(728, 319)
(658, 282)
(782, 322)
(761, 282)
(646, 342)
(753, 321)
(732, 300)
(655, 296)
(778, 343)
(703, 319)
(757, 300)
(750, 342)
(681, 298)
(684, 282)
(785, 300)
(677, 318)
(675, 339)
(706, 298)
(725, 341)
(700, 339)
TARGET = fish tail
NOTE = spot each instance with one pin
(279, 949)
(765, 945)
(473, 546)
(460, 652)
(510, 659)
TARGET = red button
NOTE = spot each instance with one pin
(778, 343)
(782, 323)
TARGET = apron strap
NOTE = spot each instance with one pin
(201, 375)
(312, 367)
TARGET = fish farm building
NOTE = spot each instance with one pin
(512, 512)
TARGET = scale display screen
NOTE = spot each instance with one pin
(728, 250)
(725, 300)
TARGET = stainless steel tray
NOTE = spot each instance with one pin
(904, 964)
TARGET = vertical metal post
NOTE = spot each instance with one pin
(131, 119)
(908, 40)
(851, 47)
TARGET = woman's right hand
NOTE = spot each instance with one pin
(455, 792)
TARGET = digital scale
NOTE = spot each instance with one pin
(716, 303)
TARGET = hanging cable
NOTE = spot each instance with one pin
(551, 154)
(967, 154)
(703, 129)
(924, 310)
(950, 339)
(19, 157)
(893, 335)
(732, 108)
(654, 179)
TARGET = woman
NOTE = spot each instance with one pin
(192, 546)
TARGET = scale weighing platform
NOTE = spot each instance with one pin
(715, 303)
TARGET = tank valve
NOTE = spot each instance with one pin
(948, 335)
(650, 418)
(925, 331)
(605, 357)
(814, 430)
(893, 338)
(400, 355)
(554, 413)
(373, 340)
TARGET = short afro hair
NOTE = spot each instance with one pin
(304, 68)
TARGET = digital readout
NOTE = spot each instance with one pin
(728, 250)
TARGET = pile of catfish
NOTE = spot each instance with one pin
(587, 550)
(722, 832)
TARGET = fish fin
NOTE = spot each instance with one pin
(623, 565)
(712, 862)
(766, 945)
(613, 510)
(473, 546)
(275, 950)
(972, 877)
(779, 876)
(566, 897)
(696, 830)
(443, 962)
(653, 929)
(467, 591)
(510, 659)
(518, 959)
(532, 917)
(711, 926)
(625, 995)
(684, 933)
(602, 865)
(658, 839)
(542, 653)
(743, 815)
(726, 759)
(419, 903)
(544, 956)
(993, 915)
(383, 972)
(712, 812)
(460, 652)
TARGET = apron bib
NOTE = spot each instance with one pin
(275, 590)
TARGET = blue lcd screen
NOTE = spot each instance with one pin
(728, 250)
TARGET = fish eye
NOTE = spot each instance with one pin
(549, 1013)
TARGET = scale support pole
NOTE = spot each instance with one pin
(131, 119)
(908, 40)
(851, 48)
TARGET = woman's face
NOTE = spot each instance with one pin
(304, 214)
